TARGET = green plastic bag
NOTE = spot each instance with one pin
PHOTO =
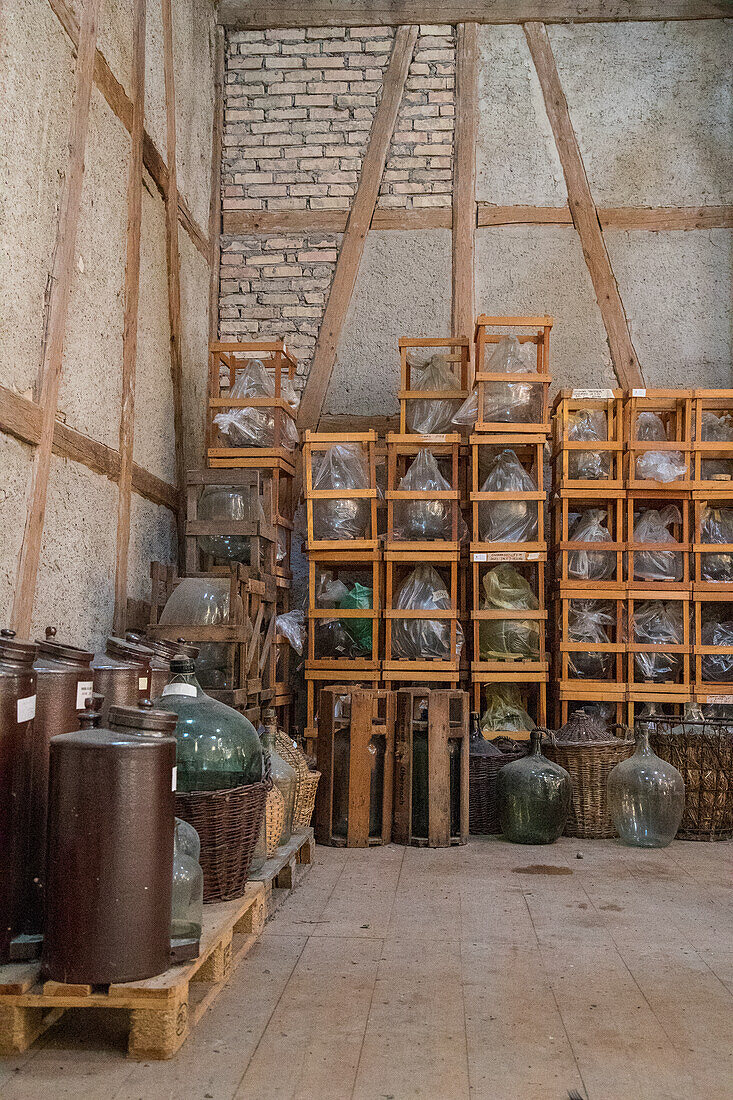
(359, 630)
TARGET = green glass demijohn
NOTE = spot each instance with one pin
(218, 748)
(646, 796)
(534, 797)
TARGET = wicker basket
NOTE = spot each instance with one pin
(705, 760)
(588, 764)
(307, 783)
(228, 824)
(483, 808)
(274, 819)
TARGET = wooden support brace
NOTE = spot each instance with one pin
(158, 1034)
(464, 190)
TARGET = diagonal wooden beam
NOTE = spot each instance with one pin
(583, 210)
(58, 309)
(464, 180)
(357, 227)
(132, 299)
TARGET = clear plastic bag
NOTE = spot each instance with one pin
(420, 639)
(205, 601)
(587, 622)
(505, 589)
(661, 466)
(587, 426)
(657, 622)
(717, 429)
(506, 402)
(717, 666)
(591, 565)
(256, 427)
(508, 520)
(652, 526)
(341, 467)
(359, 630)
(504, 710)
(716, 525)
(433, 416)
(291, 624)
(425, 520)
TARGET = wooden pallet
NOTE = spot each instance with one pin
(164, 1009)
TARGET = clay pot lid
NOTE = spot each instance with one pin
(142, 717)
(59, 651)
(128, 651)
(20, 651)
(180, 648)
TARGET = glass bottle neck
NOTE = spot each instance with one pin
(268, 739)
(642, 742)
(183, 683)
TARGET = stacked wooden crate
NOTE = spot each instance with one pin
(528, 678)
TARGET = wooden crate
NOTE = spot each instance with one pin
(529, 453)
(510, 668)
(367, 565)
(224, 361)
(484, 341)
(316, 442)
(674, 408)
(532, 693)
(565, 646)
(359, 715)
(640, 500)
(703, 499)
(568, 403)
(721, 604)
(567, 504)
(446, 719)
(398, 565)
(457, 351)
(719, 403)
(401, 451)
(255, 526)
(318, 678)
(162, 1010)
(680, 688)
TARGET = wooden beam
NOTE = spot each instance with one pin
(174, 269)
(257, 14)
(612, 217)
(463, 311)
(22, 419)
(357, 227)
(58, 308)
(121, 105)
(582, 208)
(215, 213)
(238, 222)
(132, 298)
(488, 215)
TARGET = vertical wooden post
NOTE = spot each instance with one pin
(132, 297)
(439, 800)
(215, 205)
(58, 308)
(464, 180)
(174, 271)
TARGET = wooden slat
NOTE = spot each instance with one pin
(132, 298)
(612, 217)
(582, 208)
(215, 215)
(58, 308)
(235, 222)
(174, 269)
(464, 185)
(488, 214)
(360, 216)
(323, 13)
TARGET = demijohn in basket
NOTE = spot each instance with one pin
(307, 783)
(483, 772)
(228, 823)
(703, 752)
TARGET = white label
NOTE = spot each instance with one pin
(142, 683)
(592, 395)
(84, 689)
(638, 393)
(179, 689)
(26, 708)
(719, 699)
(508, 555)
(174, 778)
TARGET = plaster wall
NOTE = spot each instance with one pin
(15, 478)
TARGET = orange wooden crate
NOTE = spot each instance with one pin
(674, 408)
(401, 450)
(569, 402)
(484, 339)
(456, 349)
(316, 442)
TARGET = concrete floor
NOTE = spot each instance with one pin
(396, 972)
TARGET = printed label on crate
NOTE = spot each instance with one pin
(718, 699)
(592, 395)
(142, 683)
(179, 689)
(26, 708)
(638, 393)
(83, 690)
(174, 778)
(507, 555)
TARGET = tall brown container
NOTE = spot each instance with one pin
(17, 710)
(110, 855)
(63, 682)
(160, 664)
(122, 674)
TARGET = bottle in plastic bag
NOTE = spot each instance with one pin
(651, 526)
(205, 601)
(505, 710)
(508, 520)
(591, 565)
(255, 427)
(717, 667)
(425, 520)
(587, 426)
(587, 622)
(500, 639)
(225, 503)
(433, 416)
(716, 429)
(505, 402)
(657, 622)
(661, 466)
(420, 639)
(716, 525)
(341, 467)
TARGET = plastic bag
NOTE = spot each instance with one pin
(657, 622)
(591, 565)
(506, 589)
(425, 520)
(256, 427)
(359, 630)
(291, 624)
(587, 620)
(504, 710)
(717, 429)
(508, 520)
(505, 402)
(419, 639)
(717, 666)
(716, 525)
(341, 467)
(657, 465)
(653, 526)
(587, 426)
(433, 416)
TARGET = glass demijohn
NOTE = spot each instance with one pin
(646, 796)
(534, 797)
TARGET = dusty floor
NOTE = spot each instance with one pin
(397, 973)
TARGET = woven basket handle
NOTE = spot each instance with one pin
(543, 730)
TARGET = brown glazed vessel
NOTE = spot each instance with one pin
(160, 664)
(17, 707)
(63, 683)
(122, 674)
(110, 855)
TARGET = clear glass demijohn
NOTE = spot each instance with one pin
(187, 901)
(646, 795)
